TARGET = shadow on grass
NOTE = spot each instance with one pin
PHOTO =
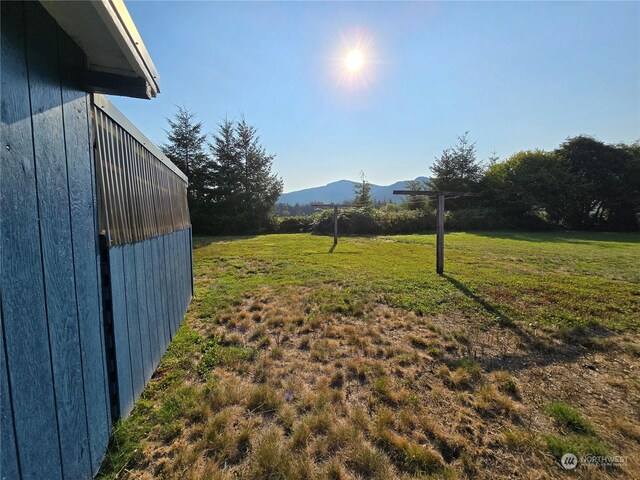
(577, 238)
(333, 247)
(535, 350)
(203, 241)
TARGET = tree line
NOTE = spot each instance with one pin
(583, 184)
(232, 189)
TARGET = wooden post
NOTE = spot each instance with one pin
(441, 194)
(335, 225)
(440, 236)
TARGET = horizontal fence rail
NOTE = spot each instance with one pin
(142, 194)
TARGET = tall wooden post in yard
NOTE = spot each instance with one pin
(440, 236)
(335, 218)
(441, 195)
(335, 225)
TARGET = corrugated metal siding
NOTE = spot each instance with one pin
(141, 197)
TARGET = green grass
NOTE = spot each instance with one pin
(569, 417)
(579, 445)
(550, 279)
(298, 362)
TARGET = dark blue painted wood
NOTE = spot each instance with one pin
(83, 224)
(193, 292)
(143, 314)
(8, 454)
(168, 283)
(157, 273)
(156, 352)
(133, 322)
(120, 331)
(55, 228)
(98, 262)
(173, 269)
(153, 279)
(164, 287)
(175, 262)
(186, 279)
(185, 266)
(164, 279)
(27, 343)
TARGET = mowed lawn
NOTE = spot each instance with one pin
(299, 361)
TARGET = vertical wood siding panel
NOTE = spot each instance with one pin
(191, 279)
(143, 314)
(9, 455)
(55, 227)
(156, 351)
(187, 266)
(166, 285)
(120, 331)
(95, 179)
(180, 268)
(85, 245)
(183, 272)
(133, 323)
(27, 343)
(173, 255)
(186, 287)
(157, 285)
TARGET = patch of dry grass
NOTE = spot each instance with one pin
(296, 382)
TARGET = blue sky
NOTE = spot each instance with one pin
(515, 75)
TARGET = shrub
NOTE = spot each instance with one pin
(299, 224)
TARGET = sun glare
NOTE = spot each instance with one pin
(354, 61)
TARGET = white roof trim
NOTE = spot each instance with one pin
(106, 33)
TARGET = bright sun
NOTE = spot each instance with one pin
(354, 61)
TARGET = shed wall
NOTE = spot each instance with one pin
(83, 322)
(55, 409)
(151, 285)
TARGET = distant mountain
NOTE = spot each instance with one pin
(342, 191)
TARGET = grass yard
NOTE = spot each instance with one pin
(296, 362)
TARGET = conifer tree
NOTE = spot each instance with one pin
(185, 148)
(457, 169)
(245, 189)
(362, 192)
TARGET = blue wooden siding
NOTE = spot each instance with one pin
(56, 389)
(151, 290)
(52, 362)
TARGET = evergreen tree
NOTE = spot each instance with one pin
(245, 190)
(457, 169)
(226, 170)
(260, 187)
(185, 148)
(362, 192)
(415, 202)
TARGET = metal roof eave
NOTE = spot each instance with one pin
(117, 58)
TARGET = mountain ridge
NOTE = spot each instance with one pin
(342, 191)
